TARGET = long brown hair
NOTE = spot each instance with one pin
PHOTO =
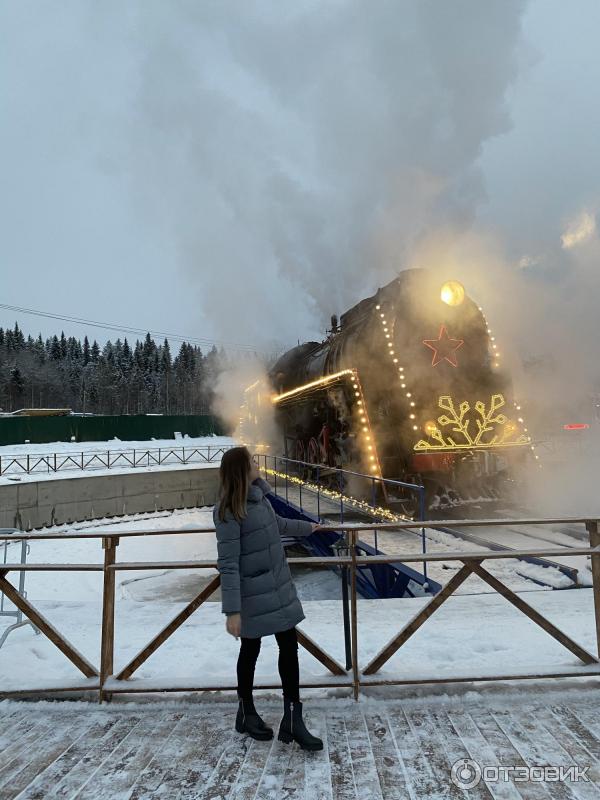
(235, 480)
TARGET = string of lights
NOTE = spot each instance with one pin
(359, 505)
(366, 433)
(320, 382)
(495, 354)
(365, 424)
(496, 364)
(430, 427)
(388, 335)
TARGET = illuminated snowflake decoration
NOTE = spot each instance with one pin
(460, 430)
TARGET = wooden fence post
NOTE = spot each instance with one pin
(592, 529)
(353, 613)
(109, 545)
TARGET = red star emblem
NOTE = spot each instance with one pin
(444, 348)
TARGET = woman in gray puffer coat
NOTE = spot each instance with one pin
(257, 592)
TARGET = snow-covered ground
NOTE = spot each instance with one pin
(472, 633)
(69, 456)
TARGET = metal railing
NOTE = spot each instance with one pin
(107, 681)
(30, 463)
(286, 474)
(11, 610)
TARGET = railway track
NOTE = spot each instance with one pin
(522, 574)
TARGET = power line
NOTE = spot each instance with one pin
(127, 329)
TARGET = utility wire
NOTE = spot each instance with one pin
(127, 329)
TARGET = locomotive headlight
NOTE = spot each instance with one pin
(452, 293)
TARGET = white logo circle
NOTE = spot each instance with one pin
(465, 773)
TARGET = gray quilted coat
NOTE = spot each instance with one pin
(255, 576)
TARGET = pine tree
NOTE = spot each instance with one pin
(165, 371)
(18, 338)
(165, 357)
(16, 386)
(94, 396)
(138, 356)
(148, 351)
(64, 372)
(127, 356)
(40, 352)
(55, 351)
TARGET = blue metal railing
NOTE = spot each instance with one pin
(376, 581)
(287, 468)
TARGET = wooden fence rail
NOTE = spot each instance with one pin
(106, 681)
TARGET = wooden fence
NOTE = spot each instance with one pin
(106, 681)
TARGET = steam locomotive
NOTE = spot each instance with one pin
(408, 386)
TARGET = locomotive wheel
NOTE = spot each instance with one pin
(314, 451)
(409, 508)
(302, 469)
(407, 503)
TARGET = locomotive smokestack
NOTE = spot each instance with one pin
(334, 323)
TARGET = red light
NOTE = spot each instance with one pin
(444, 348)
(576, 426)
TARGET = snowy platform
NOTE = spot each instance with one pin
(373, 750)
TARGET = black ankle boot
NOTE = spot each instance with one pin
(292, 727)
(248, 721)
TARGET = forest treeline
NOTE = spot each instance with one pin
(118, 378)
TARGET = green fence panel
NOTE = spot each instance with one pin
(139, 427)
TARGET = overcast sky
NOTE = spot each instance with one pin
(241, 170)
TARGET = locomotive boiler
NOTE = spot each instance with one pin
(407, 386)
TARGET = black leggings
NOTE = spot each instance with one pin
(287, 664)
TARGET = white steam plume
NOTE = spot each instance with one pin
(297, 153)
